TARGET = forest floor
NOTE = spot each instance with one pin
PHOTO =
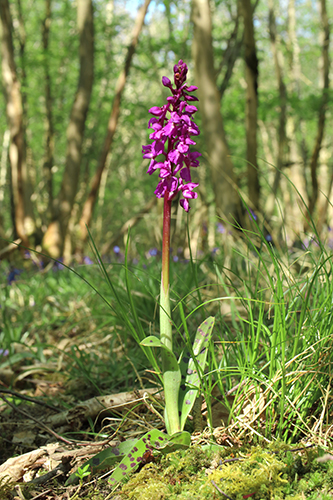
(67, 378)
(242, 468)
(38, 460)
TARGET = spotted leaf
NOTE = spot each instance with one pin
(189, 365)
(105, 459)
(153, 440)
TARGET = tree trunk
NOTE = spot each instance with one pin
(296, 176)
(230, 55)
(49, 131)
(14, 112)
(325, 35)
(54, 237)
(282, 138)
(251, 77)
(27, 168)
(220, 164)
(3, 182)
(88, 207)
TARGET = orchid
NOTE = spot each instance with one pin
(169, 152)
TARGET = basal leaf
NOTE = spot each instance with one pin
(171, 382)
(190, 380)
(105, 459)
(153, 440)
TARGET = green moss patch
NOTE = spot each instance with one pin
(255, 473)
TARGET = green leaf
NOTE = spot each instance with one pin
(153, 440)
(105, 459)
(152, 341)
(171, 383)
(181, 439)
(190, 379)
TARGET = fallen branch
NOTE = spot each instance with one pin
(96, 406)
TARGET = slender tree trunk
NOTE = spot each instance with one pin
(49, 130)
(325, 35)
(297, 208)
(15, 121)
(3, 182)
(230, 55)
(251, 77)
(282, 138)
(221, 167)
(74, 244)
(88, 207)
(27, 169)
(54, 237)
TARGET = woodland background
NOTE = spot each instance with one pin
(78, 79)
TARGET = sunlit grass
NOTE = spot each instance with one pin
(270, 361)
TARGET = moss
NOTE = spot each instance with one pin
(179, 475)
(191, 461)
(188, 474)
(146, 485)
(261, 474)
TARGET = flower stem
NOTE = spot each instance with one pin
(171, 378)
(165, 312)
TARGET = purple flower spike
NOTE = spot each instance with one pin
(173, 127)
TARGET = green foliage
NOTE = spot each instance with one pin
(40, 310)
(131, 453)
(260, 474)
(280, 333)
(83, 472)
(186, 374)
(166, 37)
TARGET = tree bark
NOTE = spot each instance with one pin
(230, 55)
(49, 130)
(3, 182)
(54, 237)
(14, 112)
(27, 169)
(220, 164)
(323, 105)
(88, 207)
(251, 77)
(282, 137)
(297, 152)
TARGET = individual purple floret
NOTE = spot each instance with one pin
(170, 152)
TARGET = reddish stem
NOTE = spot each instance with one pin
(166, 243)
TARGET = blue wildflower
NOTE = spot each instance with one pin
(12, 275)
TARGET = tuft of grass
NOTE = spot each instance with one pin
(275, 338)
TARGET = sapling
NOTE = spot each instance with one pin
(170, 155)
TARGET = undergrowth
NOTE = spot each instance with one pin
(270, 362)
